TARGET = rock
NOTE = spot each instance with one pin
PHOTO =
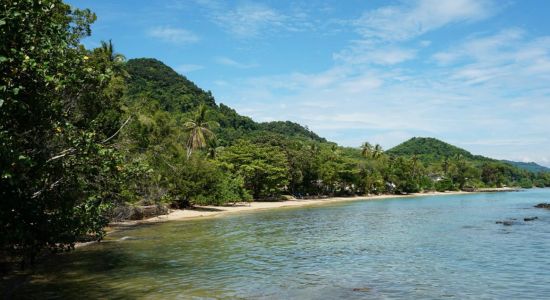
(505, 222)
(543, 205)
(530, 219)
(363, 289)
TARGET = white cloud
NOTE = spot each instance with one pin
(375, 55)
(250, 20)
(173, 35)
(508, 59)
(406, 21)
(425, 43)
(255, 20)
(505, 141)
(233, 63)
(187, 68)
(480, 48)
(382, 29)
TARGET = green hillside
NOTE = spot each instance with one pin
(431, 149)
(155, 86)
(530, 166)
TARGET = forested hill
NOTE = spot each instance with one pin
(530, 166)
(432, 149)
(162, 88)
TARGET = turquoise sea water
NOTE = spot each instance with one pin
(435, 247)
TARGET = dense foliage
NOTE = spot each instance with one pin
(59, 106)
(428, 149)
(84, 134)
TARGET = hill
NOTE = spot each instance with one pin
(163, 88)
(530, 166)
(430, 149)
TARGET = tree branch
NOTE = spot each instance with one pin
(115, 134)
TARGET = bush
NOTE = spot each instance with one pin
(445, 184)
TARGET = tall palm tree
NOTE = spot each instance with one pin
(111, 59)
(377, 151)
(199, 130)
(108, 50)
(414, 161)
(366, 149)
(445, 165)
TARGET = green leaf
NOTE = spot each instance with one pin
(3, 59)
(2, 22)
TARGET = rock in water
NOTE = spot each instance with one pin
(505, 222)
(530, 219)
(543, 205)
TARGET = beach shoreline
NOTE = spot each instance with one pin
(207, 212)
(200, 212)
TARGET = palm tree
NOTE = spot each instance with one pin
(366, 149)
(414, 161)
(109, 52)
(199, 130)
(111, 59)
(213, 148)
(377, 151)
(445, 165)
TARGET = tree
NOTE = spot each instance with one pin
(366, 149)
(263, 168)
(108, 50)
(377, 151)
(59, 168)
(199, 130)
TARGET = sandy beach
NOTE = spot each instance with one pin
(217, 211)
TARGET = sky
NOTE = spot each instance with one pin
(474, 73)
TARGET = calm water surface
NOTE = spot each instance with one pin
(425, 247)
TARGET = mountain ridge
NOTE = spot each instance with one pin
(528, 166)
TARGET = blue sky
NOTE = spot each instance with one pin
(474, 73)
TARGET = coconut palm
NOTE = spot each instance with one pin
(110, 59)
(377, 151)
(108, 50)
(445, 165)
(366, 149)
(213, 148)
(414, 161)
(199, 130)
